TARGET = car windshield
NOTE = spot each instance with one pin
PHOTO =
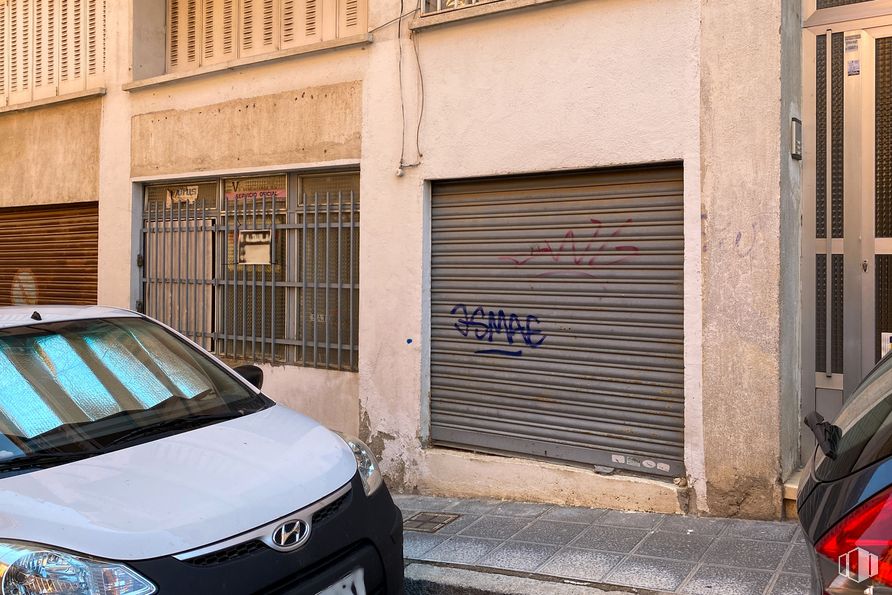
(74, 389)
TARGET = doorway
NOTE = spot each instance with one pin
(847, 210)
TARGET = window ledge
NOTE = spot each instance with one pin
(38, 103)
(164, 79)
(473, 11)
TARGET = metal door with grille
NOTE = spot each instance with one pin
(847, 210)
(557, 317)
(49, 254)
(262, 269)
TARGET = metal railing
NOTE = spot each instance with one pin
(262, 275)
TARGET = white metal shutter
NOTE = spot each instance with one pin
(182, 35)
(20, 50)
(219, 30)
(95, 41)
(71, 47)
(557, 317)
(352, 16)
(301, 22)
(4, 51)
(259, 27)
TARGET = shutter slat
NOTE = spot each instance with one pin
(352, 17)
(300, 23)
(218, 31)
(260, 29)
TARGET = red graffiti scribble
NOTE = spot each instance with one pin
(571, 251)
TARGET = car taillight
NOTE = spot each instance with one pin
(861, 543)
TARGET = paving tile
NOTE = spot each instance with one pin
(718, 580)
(611, 539)
(792, 584)
(407, 513)
(461, 550)
(799, 560)
(638, 520)
(799, 537)
(473, 506)
(494, 527)
(554, 532)
(764, 530)
(676, 546)
(693, 525)
(650, 573)
(458, 524)
(416, 545)
(581, 564)
(745, 553)
(572, 514)
(518, 556)
(424, 503)
(521, 509)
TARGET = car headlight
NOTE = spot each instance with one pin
(30, 569)
(369, 472)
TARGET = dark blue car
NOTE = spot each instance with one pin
(845, 495)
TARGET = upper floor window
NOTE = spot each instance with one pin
(50, 47)
(205, 32)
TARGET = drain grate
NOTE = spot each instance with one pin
(428, 522)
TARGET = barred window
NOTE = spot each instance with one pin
(206, 32)
(260, 269)
(50, 47)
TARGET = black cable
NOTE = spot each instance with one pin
(421, 99)
(392, 21)
(399, 45)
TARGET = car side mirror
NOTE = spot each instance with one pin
(251, 373)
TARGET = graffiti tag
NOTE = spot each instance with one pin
(584, 251)
(485, 325)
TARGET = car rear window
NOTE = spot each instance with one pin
(866, 424)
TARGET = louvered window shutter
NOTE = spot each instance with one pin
(352, 17)
(71, 46)
(4, 52)
(20, 24)
(259, 27)
(219, 30)
(95, 40)
(45, 44)
(301, 22)
(182, 35)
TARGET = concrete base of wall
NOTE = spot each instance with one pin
(329, 397)
(462, 474)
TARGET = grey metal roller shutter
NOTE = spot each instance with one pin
(557, 317)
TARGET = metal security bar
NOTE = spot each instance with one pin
(261, 269)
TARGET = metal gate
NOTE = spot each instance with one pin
(557, 317)
(49, 254)
(261, 269)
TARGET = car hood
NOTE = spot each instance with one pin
(179, 492)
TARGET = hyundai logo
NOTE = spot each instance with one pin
(291, 534)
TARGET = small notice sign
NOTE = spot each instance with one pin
(254, 246)
(852, 42)
(854, 67)
(180, 194)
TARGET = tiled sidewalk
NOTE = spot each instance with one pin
(672, 554)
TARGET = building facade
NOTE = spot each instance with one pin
(528, 249)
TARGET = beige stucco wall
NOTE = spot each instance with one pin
(306, 125)
(39, 169)
(578, 84)
(748, 364)
(590, 94)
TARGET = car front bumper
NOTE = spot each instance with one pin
(366, 533)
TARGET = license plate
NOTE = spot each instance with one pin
(352, 584)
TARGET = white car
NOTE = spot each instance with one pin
(133, 462)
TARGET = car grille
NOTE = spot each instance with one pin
(228, 554)
(323, 514)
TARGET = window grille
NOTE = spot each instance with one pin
(261, 269)
(205, 32)
(50, 47)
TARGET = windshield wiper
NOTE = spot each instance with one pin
(43, 459)
(168, 425)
